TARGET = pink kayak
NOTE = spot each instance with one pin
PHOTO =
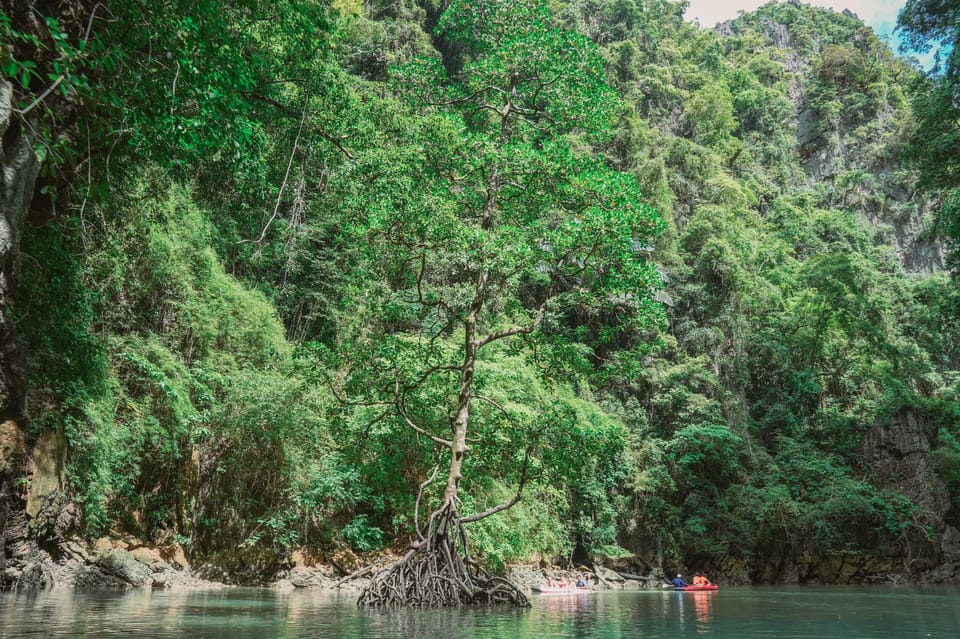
(698, 588)
(561, 590)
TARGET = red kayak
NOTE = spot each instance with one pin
(698, 588)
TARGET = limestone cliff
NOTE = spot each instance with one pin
(849, 144)
(898, 454)
(19, 172)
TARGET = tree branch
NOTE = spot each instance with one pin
(496, 405)
(409, 422)
(337, 142)
(286, 175)
(416, 506)
(516, 330)
(505, 505)
(489, 87)
(40, 97)
(420, 299)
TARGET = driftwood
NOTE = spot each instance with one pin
(361, 572)
(627, 575)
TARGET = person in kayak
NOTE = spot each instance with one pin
(580, 582)
(678, 582)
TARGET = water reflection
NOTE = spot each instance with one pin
(569, 614)
(694, 609)
(741, 613)
(701, 603)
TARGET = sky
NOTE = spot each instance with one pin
(879, 14)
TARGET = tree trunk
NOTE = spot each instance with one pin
(458, 448)
(438, 569)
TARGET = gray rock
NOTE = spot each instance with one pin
(93, 576)
(34, 577)
(76, 549)
(605, 574)
(123, 565)
(950, 543)
(305, 578)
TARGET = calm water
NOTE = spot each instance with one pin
(741, 613)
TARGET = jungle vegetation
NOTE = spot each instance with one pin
(647, 284)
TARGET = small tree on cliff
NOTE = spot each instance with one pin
(490, 220)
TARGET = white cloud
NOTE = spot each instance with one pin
(879, 14)
(710, 12)
(876, 13)
(870, 11)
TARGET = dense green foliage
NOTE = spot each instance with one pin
(930, 24)
(285, 212)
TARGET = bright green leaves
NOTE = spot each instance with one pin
(705, 451)
(421, 83)
(709, 113)
(486, 217)
(180, 79)
(183, 84)
(494, 187)
(521, 72)
(487, 25)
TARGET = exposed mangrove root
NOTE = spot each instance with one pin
(439, 572)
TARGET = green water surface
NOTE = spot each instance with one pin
(238, 613)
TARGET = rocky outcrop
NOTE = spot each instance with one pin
(104, 564)
(898, 454)
(28, 482)
(18, 172)
(855, 153)
(12, 448)
(898, 451)
(895, 455)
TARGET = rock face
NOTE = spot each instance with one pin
(12, 448)
(18, 171)
(47, 467)
(898, 453)
(836, 148)
(896, 456)
(34, 511)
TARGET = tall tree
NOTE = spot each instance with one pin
(495, 222)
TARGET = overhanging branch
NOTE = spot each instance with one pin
(402, 410)
(505, 505)
(515, 330)
(337, 142)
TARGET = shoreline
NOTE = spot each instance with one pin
(130, 563)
